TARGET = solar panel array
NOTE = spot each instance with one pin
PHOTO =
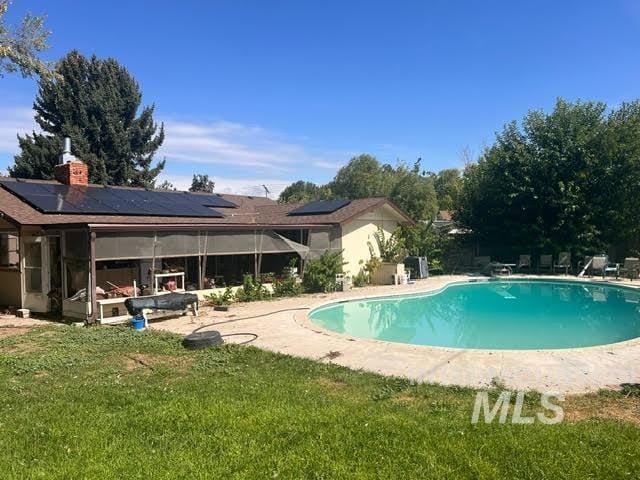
(96, 200)
(320, 207)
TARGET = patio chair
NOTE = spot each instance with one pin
(545, 263)
(564, 262)
(584, 266)
(631, 267)
(601, 264)
(524, 262)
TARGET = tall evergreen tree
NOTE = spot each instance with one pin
(96, 103)
(201, 183)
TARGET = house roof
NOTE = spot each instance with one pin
(258, 211)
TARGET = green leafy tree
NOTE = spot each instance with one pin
(422, 239)
(363, 177)
(302, 191)
(202, 183)
(448, 183)
(320, 274)
(166, 185)
(565, 180)
(409, 187)
(20, 46)
(414, 192)
(96, 103)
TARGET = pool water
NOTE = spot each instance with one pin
(508, 314)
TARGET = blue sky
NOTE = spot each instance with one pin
(270, 92)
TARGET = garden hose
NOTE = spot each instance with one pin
(254, 335)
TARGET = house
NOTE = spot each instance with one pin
(63, 242)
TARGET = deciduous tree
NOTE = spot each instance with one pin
(564, 180)
(302, 191)
(20, 46)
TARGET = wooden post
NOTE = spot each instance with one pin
(92, 278)
(260, 253)
(255, 256)
(203, 269)
(303, 263)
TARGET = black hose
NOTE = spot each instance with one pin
(254, 335)
(253, 316)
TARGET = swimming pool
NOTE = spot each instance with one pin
(504, 314)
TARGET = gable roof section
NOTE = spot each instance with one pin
(250, 211)
(278, 213)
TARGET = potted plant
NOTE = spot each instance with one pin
(392, 253)
(221, 300)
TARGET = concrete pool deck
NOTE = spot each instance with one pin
(282, 326)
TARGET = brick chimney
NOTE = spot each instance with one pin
(70, 170)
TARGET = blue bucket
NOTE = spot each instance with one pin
(137, 322)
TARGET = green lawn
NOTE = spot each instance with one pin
(112, 403)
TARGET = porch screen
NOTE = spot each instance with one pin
(76, 244)
(117, 246)
(121, 246)
(229, 243)
(248, 242)
(271, 242)
(177, 244)
(322, 240)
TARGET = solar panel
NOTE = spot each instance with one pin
(320, 207)
(51, 203)
(211, 200)
(74, 199)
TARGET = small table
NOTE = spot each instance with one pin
(176, 275)
(498, 268)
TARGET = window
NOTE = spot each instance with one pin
(9, 250)
(33, 266)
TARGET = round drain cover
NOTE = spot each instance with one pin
(210, 338)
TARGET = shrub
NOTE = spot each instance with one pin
(320, 274)
(268, 277)
(251, 290)
(391, 249)
(222, 298)
(289, 287)
(425, 240)
(363, 277)
(360, 279)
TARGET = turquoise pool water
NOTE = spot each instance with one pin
(509, 314)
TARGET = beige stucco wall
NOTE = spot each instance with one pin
(358, 233)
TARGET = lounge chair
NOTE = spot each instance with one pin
(631, 268)
(601, 264)
(524, 262)
(545, 263)
(564, 262)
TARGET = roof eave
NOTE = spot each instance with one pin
(381, 202)
(118, 227)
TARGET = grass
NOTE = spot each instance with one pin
(110, 403)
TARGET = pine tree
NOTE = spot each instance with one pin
(201, 183)
(95, 102)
